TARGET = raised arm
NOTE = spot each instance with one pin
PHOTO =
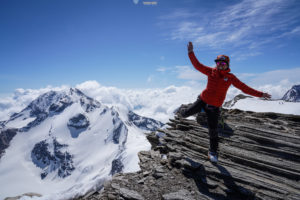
(199, 66)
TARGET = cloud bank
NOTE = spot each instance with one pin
(157, 103)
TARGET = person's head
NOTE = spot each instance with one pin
(222, 62)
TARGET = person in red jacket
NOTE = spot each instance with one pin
(212, 98)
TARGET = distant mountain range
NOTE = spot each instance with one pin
(66, 142)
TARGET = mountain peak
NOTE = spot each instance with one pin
(53, 103)
(68, 135)
(292, 95)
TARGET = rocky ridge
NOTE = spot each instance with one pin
(259, 158)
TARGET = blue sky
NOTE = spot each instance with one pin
(126, 44)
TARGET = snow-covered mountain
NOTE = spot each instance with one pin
(293, 95)
(254, 104)
(65, 143)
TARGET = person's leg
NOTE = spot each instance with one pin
(192, 109)
(212, 113)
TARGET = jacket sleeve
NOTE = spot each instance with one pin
(245, 88)
(200, 67)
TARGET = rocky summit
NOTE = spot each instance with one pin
(259, 158)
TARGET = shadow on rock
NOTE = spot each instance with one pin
(216, 183)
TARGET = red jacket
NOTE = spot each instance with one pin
(219, 82)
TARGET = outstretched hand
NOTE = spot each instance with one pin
(266, 96)
(190, 47)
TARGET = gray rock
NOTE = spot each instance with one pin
(158, 175)
(175, 155)
(160, 169)
(179, 195)
(130, 194)
(146, 173)
(142, 181)
(112, 197)
(29, 194)
(115, 186)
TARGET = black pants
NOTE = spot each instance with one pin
(212, 114)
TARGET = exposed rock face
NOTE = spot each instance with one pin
(259, 158)
(117, 166)
(78, 124)
(51, 156)
(6, 136)
(293, 94)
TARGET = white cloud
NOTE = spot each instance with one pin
(90, 85)
(284, 76)
(157, 103)
(243, 56)
(163, 69)
(243, 26)
(295, 31)
(179, 13)
(186, 29)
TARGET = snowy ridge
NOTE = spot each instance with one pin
(293, 95)
(66, 144)
(143, 122)
(289, 104)
(260, 105)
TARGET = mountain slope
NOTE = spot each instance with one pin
(293, 95)
(65, 143)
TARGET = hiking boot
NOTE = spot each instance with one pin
(180, 113)
(213, 157)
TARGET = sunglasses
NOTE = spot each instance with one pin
(222, 63)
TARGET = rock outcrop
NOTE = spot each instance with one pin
(232, 102)
(26, 195)
(51, 156)
(259, 158)
(6, 136)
